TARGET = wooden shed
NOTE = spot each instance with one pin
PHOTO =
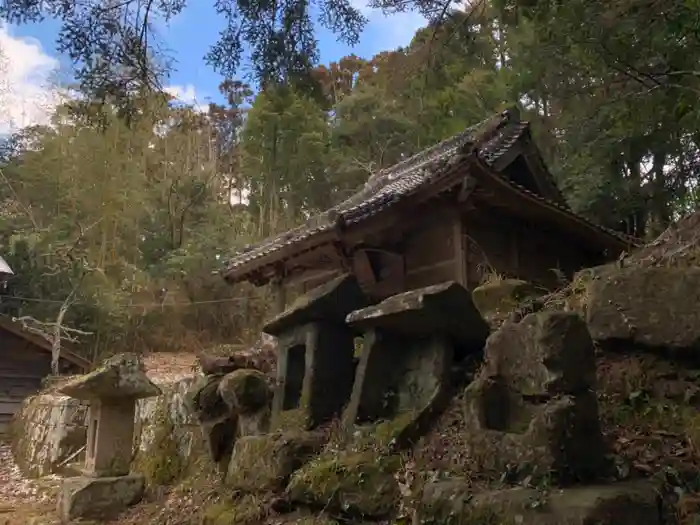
(482, 201)
(25, 359)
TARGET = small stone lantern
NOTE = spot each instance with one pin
(107, 486)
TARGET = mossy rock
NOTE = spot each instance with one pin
(651, 308)
(162, 464)
(384, 437)
(504, 432)
(503, 296)
(248, 510)
(265, 463)
(453, 502)
(245, 391)
(204, 400)
(356, 484)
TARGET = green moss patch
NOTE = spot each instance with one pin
(162, 464)
(248, 510)
(361, 484)
(264, 463)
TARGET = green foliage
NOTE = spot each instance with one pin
(123, 211)
(129, 222)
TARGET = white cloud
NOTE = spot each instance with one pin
(393, 30)
(28, 95)
(187, 94)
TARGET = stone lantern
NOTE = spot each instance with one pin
(107, 486)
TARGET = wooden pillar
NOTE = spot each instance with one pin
(459, 242)
(280, 295)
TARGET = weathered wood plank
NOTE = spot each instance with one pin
(10, 407)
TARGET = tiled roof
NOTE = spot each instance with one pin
(491, 138)
(390, 185)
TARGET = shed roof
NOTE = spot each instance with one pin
(5, 268)
(487, 142)
(40, 343)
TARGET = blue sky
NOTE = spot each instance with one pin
(190, 34)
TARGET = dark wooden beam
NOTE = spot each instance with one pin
(459, 242)
(362, 268)
(466, 189)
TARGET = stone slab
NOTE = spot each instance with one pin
(445, 308)
(329, 302)
(98, 498)
(120, 377)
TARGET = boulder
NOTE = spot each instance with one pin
(245, 391)
(547, 353)
(656, 307)
(246, 510)
(47, 432)
(329, 302)
(445, 308)
(120, 377)
(532, 411)
(560, 439)
(98, 498)
(265, 463)
(218, 423)
(356, 484)
(204, 399)
(630, 503)
(169, 442)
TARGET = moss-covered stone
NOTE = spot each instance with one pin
(547, 353)
(204, 400)
(453, 503)
(506, 434)
(383, 437)
(360, 484)
(162, 464)
(245, 391)
(247, 510)
(265, 463)
(650, 307)
(218, 422)
(120, 376)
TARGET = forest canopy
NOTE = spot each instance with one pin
(123, 208)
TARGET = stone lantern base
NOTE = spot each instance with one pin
(98, 498)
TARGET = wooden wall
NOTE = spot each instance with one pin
(21, 372)
(431, 251)
(513, 247)
(448, 245)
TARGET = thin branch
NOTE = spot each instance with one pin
(18, 200)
